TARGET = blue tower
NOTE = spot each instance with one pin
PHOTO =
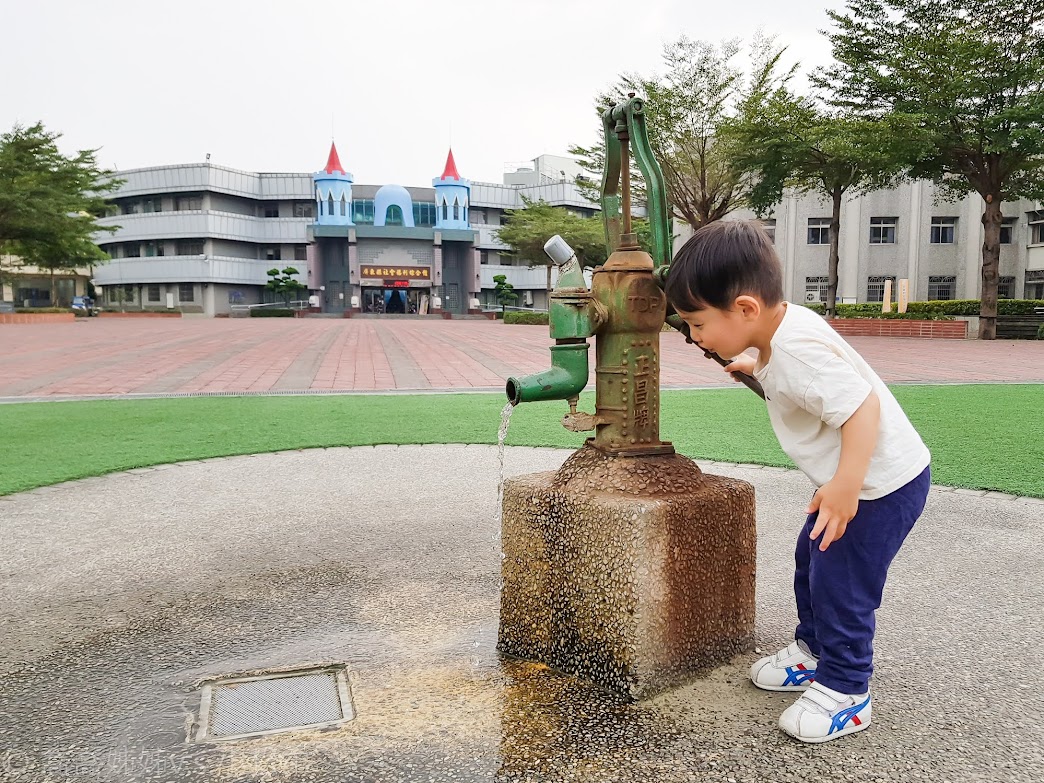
(333, 193)
(452, 197)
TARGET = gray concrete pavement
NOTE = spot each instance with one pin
(120, 593)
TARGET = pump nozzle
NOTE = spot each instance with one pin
(558, 249)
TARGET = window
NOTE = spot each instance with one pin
(423, 214)
(445, 211)
(1036, 225)
(816, 289)
(271, 210)
(875, 287)
(190, 247)
(1007, 230)
(131, 250)
(154, 204)
(182, 203)
(119, 294)
(330, 205)
(1035, 285)
(1006, 288)
(819, 231)
(393, 215)
(272, 253)
(943, 230)
(483, 256)
(362, 211)
(882, 230)
(153, 249)
(300, 252)
(304, 209)
(942, 288)
(154, 293)
(344, 205)
(186, 292)
(456, 209)
(770, 229)
(130, 207)
(36, 296)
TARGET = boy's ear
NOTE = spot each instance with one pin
(748, 306)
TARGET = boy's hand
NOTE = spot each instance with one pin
(837, 502)
(741, 363)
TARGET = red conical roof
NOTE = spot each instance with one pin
(451, 167)
(333, 163)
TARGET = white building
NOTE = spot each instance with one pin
(902, 233)
(200, 238)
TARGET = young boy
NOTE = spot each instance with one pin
(838, 422)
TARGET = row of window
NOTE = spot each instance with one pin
(943, 231)
(940, 287)
(301, 209)
(424, 213)
(193, 247)
(125, 294)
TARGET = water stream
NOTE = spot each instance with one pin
(505, 422)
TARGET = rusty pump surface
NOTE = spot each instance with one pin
(628, 566)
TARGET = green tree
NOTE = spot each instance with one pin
(686, 106)
(49, 203)
(504, 292)
(528, 229)
(785, 141)
(66, 256)
(282, 283)
(972, 73)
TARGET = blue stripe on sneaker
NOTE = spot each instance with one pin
(799, 676)
(845, 715)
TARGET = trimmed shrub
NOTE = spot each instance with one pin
(933, 310)
(42, 310)
(519, 317)
(1040, 332)
(271, 312)
(972, 306)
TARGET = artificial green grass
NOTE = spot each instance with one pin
(981, 436)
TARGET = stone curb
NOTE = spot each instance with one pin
(979, 493)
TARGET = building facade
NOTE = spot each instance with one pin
(24, 285)
(907, 232)
(201, 238)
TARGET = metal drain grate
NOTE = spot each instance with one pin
(255, 706)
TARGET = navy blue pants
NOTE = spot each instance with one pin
(839, 590)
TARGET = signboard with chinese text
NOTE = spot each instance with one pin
(381, 273)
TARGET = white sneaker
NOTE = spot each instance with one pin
(822, 714)
(791, 669)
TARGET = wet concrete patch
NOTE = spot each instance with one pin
(385, 560)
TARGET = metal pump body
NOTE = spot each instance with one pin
(624, 310)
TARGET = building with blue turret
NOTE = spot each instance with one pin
(200, 238)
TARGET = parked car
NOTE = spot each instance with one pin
(83, 306)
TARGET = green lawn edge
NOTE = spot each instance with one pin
(987, 437)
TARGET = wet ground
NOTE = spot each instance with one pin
(120, 593)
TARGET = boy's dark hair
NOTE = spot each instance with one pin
(721, 261)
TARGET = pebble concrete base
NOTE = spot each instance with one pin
(633, 572)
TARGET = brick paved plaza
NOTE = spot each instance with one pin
(157, 356)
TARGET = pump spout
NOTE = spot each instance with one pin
(566, 377)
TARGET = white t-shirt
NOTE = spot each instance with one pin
(814, 381)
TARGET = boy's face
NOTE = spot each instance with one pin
(725, 332)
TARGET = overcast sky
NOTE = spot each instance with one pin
(262, 86)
